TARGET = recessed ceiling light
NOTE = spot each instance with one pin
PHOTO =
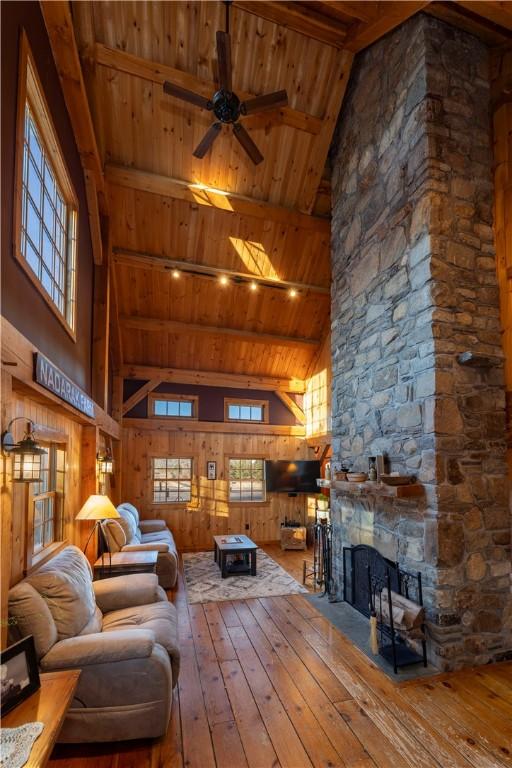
(176, 273)
(223, 280)
(292, 293)
(254, 286)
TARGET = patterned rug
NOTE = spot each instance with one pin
(205, 584)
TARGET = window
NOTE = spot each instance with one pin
(173, 406)
(246, 410)
(47, 498)
(172, 480)
(46, 206)
(246, 480)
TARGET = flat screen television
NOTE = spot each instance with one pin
(292, 476)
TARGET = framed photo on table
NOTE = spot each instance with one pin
(211, 470)
(19, 675)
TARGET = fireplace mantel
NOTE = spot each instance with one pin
(372, 488)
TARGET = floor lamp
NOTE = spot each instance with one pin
(98, 508)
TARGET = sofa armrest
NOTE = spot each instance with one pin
(148, 546)
(126, 591)
(100, 648)
(150, 526)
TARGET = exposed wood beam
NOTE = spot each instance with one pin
(140, 394)
(116, 341)
(213, 379)
(292, 406)
(391, 15)
(179, 425)
(174, 326)
(318, 155)
(498, 13)
(59, 24)
(299, 18)
(94, 217)
(364, 11)
(101, 323)
(164, 264)
(462, 16)
(158, 73)
(197, 194)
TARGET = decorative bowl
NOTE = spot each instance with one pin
(396, 479)
(357, 477)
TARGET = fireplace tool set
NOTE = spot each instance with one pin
(321, 572)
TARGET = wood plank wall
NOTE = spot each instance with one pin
(23, 406)
(209, 513)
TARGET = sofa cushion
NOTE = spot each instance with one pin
(65, 583)
(30, 615)
(160, 617)
(134, 512)
(94, 624)
(131, 531)
(157, 537)
(116, 536)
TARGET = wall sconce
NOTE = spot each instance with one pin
(105, 463)
(26, 467)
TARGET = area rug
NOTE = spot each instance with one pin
(205, 584)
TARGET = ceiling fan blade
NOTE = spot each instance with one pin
(207, 140)
(224, 60)
(185, 95)
(267, 101)
(247, 143)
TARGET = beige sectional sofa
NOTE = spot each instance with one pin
(120, 632)
(131, 534)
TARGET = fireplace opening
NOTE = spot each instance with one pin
(378, 587)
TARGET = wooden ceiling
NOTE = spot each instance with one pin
(222, 213)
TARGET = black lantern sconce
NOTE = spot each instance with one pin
(26, 455)
(105, 463)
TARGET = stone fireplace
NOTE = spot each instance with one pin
(413, 287)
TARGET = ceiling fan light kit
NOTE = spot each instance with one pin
(225, 104)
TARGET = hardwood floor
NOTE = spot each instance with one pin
(270, 682)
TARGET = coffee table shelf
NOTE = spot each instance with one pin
(235, 545)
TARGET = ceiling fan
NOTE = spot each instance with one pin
(225, 104)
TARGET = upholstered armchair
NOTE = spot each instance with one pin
(129, 533)
(120, 632)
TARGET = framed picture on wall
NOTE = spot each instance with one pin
(211, 470)
(19, 675)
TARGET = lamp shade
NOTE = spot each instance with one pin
(97, 508)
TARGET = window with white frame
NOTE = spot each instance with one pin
(246, 480)
(46, 205)
(246, 410)
(173, 406)
(172, 480)
(47, 499)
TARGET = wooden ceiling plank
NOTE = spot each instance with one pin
(292, 406)
(391, 15)
(165, 264)
(461, 15)
(318, 156)
(299, 18)
(175, 326)
(141, 393)
(158, 73)
(214, 379)
(197, 194)
(59, 25)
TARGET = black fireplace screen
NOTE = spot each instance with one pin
(356, 562)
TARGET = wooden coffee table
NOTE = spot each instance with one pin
(241, 547)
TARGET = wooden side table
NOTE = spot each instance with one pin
(49, 706)
(293, 538)
(125, 563)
